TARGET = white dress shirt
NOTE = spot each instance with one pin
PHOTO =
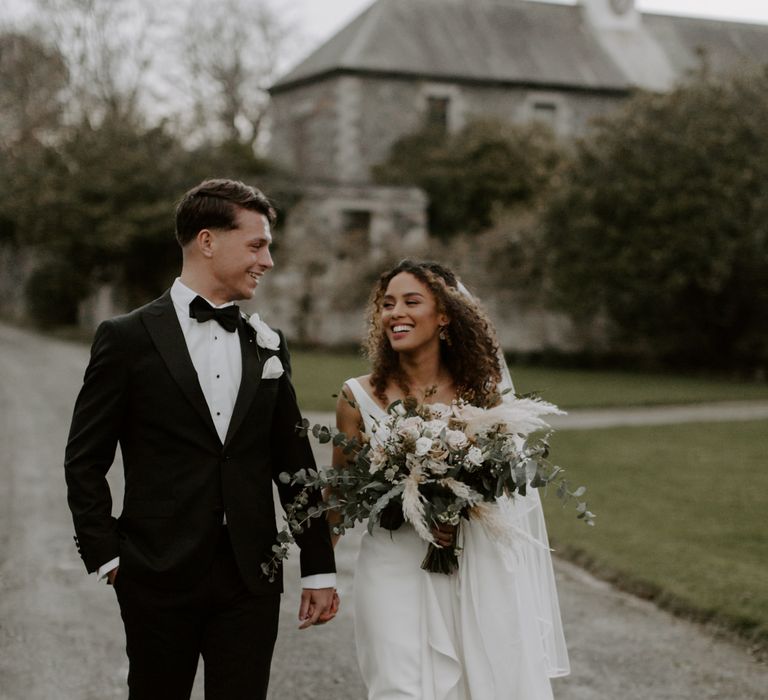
(215, 355)
(218, 361)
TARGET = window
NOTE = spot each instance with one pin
(355, 232)
(437, 112)
(545, 112)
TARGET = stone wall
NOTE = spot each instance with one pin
(304, 130)
(350, 122)
(324, 271)
(522, 326)
(335, 243)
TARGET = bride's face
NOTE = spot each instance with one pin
(410, 315)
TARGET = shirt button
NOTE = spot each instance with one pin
(218, 413)
(218, 376)
(215, 337)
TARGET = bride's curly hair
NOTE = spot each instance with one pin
(471, 353)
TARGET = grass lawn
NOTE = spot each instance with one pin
(681, 516)
(319, 374)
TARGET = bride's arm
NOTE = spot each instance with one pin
(348, 421)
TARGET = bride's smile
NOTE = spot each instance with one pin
(410, 314)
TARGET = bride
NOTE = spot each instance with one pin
(491, 630)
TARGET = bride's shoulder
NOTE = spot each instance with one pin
(358, 390)
(348, 413)
(363, 380)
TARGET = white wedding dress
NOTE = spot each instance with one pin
(490, 631)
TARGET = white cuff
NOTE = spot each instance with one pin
(319, 581)
(104, 569)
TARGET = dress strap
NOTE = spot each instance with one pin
(368, 407)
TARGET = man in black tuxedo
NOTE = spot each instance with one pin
(202, 406)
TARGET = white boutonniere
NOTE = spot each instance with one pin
(273, 368)
(265, 336)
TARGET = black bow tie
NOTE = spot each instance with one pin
(228, 317)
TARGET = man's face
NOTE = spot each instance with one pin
(241, 256)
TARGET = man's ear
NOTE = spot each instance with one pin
(205, 242)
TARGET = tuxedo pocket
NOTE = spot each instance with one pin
(273, 368)
(149, 509)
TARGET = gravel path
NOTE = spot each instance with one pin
(61, 635)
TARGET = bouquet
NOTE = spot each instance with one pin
(430, 464)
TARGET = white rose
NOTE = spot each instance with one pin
(412, 422)
(435, 427)
(423, 445)
(410, 428)
(475, 456)
(409, 433)
(455, 439)
(265, 336)
(378, 457)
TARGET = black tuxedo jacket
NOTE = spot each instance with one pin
(141, 391)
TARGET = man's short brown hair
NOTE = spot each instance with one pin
(213, 204)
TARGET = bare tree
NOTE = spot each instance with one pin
(109, 50)
(33, 78)
(231, 51)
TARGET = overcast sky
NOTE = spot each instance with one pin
(317, 20)
(320, 18)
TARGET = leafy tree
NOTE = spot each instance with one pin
(661, 225)
(91, 173)
(468, 175)
(98, 208)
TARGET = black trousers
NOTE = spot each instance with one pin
(219, 618)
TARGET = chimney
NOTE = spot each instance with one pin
(612, 14)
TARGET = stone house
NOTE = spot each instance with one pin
(403, 62)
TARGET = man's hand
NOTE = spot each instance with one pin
(112, 575)
(318, 606)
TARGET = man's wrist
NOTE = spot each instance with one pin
(318, 581)
(104, 569)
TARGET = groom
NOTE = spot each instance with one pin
(203, 408)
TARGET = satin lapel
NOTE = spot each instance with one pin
(162, 324)
(249, 384)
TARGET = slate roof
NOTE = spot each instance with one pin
(530, 43)
(724, 46)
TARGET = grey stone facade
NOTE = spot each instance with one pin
(336, 242)
(358, 118)
(336, 115)
(305, 130)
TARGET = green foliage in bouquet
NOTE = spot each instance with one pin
(431, 464)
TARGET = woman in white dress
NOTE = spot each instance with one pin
(491, 630)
